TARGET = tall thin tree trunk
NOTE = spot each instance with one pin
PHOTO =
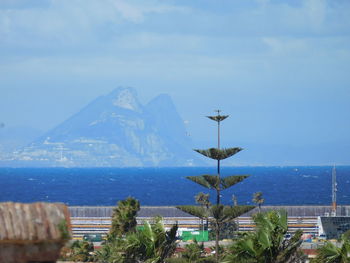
(217, 233)
(207, 221)
(218, 189)
(218, 203)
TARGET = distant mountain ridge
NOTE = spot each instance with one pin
(114, 130)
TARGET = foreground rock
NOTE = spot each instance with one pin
(32, 232)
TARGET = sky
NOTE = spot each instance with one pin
(280, 69)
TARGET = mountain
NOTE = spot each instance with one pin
(114, 130)
(12, 138)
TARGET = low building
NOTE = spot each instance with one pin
(97, 219)
(299, 217)
(332, 227)
(90, 220)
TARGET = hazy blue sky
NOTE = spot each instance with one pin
(281, 69)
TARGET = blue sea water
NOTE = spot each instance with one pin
(168, 186)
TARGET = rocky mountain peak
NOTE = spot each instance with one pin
(113, 130)
(125, 98)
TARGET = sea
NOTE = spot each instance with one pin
(306, 185)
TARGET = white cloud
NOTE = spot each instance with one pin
(70, 21)
(159, 42)
(288, 18)
(316, 11)
(137, 12)
(286, 46)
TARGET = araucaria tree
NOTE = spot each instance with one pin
(218, 213)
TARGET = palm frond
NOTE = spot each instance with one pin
(329, 252)
(203, 199)
(169, 244)
(283, 219)
(219, 154)
(264, 239)
(291, 249)
(266, 243)
(171, 234)
(148, 231)
(244, 251)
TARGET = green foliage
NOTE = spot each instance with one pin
(218, 118)
(222, 252)
(194, 210)
(64, 230)
(346, 235)
(217, 214)
(225, 213)
(202, 180)
(81, 251)
(214, 182)
(219, 154)
(330, 253)
(258, 199)
(267, 243)
(209, 259)
(203, 199)
(221, 214)
(193, 253)
(152, 243)
(176, 260)
(124, 217)
(229, 181)
(104, 253)
(228, 230)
